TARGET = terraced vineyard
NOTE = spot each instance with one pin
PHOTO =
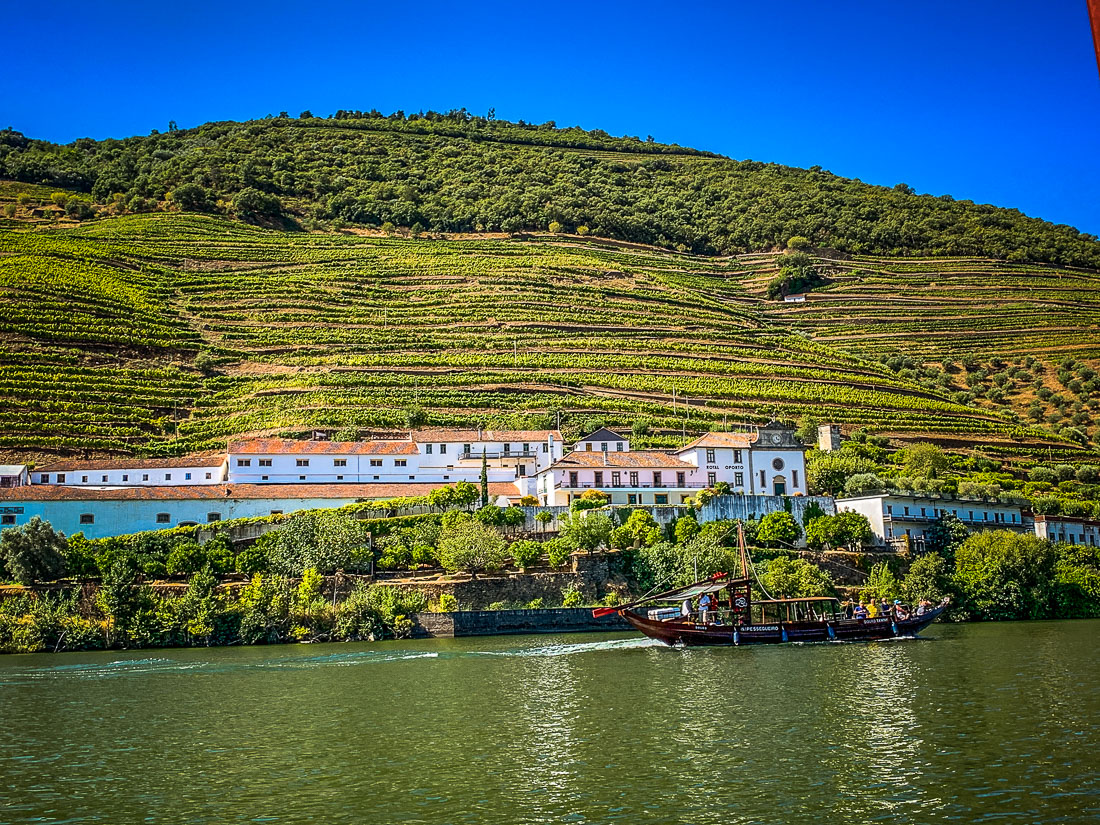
(169, 332)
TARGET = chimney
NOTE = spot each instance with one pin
(604, 457)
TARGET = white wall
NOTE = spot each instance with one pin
(136, 477)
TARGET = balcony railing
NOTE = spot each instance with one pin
(587, 486)
(465, 456)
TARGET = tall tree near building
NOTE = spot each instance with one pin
(484, 479)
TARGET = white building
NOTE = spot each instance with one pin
(14, 475)
(518, 456)
(769, 461)
(281, 461)
(894, 516)
(1068, 530)
(201, 468)
(630, 477)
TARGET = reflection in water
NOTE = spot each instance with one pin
(997, 722)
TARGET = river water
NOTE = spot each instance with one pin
(977, 723)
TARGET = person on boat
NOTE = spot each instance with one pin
(685, 608)
(705, 604)
(849, 609)
(901, 612)
(923, 607)
(861, 611)
(872, 609)
(884, 608)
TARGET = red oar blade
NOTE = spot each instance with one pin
(604, 611)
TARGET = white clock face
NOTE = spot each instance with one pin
(776, 438)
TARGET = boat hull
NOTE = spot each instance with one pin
(693, 634)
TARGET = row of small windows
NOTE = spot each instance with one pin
(304, 462)
(587, 447)
(998, 518)
(737, 458)
(162, 518)
(44, 478)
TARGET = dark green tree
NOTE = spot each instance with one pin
(33, 552)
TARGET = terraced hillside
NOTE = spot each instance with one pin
(169, 332)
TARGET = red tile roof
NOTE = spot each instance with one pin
(185, 492)
(736, 440)
(208, 459)
(280, 446)
(464, 436)
(633, 459)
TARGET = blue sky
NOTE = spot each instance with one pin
(998, 102)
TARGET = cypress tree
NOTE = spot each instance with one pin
(484, 479)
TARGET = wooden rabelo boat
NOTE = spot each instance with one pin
(736, 619)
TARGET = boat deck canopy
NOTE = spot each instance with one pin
(804, 599)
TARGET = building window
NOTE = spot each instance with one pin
(599, 479)
(164, 518)
(710, 455)
(186, 476)
(60, 478)
(264, 478)
(412, 478)
(737, 456)
(213, 517)
(7, 520)
(794, 478)
(712, 479)
(87, 518)
(660, 498)
(763, 481)
(265, 462)
(507, 449)
(83, 479)
(244, 462)
(588, 446)
(376, 462)
(739, 479)
(167, 476)
(1013, 518)
(923, 513)
(777, 464)
(680, 479)
(442, 449)
(427, 449)
(208, 476)
(618, 446)
(889, 509)
(301, 478)
(339, 478)
(466, 449)
(572, 478)
(616, 479)
(657, 479)
(104, 479)
(546, 448)
(301, 462)
(44, 478)
(376, 478)
(400, 462)
(339, 462)
(633, 479)
(276, 512)
(631, 498)
(144, 476)
(125, 477)
(603, 446)
(526, 449)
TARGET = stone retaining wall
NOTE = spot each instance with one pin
(499, 622)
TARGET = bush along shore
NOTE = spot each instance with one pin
(310, 580)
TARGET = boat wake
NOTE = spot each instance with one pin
(573, 649)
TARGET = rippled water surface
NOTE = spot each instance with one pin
(979, 723)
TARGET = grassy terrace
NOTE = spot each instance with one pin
(103, 326)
